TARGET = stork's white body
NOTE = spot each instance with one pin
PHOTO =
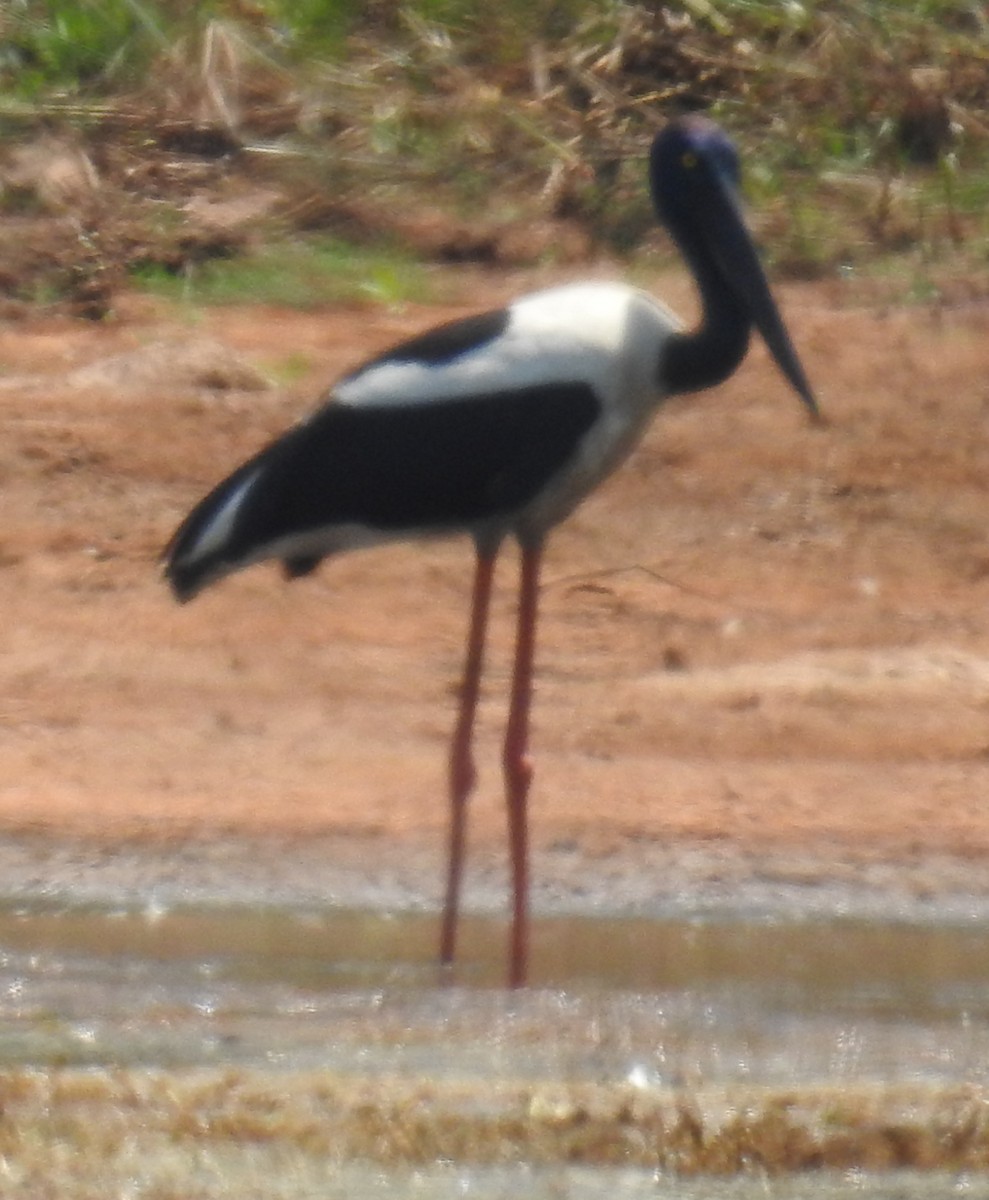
(604, 334)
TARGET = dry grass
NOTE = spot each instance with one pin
(67, 1132)
(506, 141)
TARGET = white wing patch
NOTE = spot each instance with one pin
(218, 529)
(572, 333)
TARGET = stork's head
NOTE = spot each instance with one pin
(694, 175)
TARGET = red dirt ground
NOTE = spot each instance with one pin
(763, 655)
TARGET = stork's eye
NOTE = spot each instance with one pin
(689, 160)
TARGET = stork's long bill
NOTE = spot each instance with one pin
(741, 265)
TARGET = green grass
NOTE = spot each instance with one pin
(294, 274)
(468, 109)
(79, 45)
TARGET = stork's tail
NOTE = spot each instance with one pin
(206, 546)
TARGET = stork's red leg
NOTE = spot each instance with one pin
(518, 768)
(462, 772)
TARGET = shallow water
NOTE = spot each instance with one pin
(644, 1004)
(717, 1000)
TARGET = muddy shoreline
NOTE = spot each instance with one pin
(682, 881)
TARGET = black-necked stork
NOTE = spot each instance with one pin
(498, 425)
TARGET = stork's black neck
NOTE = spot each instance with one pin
(710, 353)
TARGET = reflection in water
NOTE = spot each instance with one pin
(654, 1001)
